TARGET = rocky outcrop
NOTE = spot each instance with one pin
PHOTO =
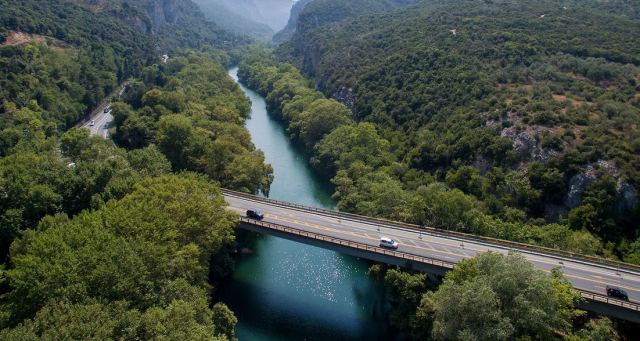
(578, 184)
(626, 193)
(287, 32)
(346, 97)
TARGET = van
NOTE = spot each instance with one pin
(388, 243)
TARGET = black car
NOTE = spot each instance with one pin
(617, 293)
(255, 214)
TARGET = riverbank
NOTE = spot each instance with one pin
(290, 291)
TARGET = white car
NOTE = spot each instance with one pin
(388, 243)
(92, 123)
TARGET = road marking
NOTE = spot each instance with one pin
(446, 254)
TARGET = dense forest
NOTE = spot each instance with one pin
(533, 303)
(533, 124)
(483, 117)
(99, 240)
(195, 114)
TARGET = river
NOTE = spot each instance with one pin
(291, 291)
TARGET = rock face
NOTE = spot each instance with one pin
(346, 97)
(627, 195)
(577, 185)
(288, 31)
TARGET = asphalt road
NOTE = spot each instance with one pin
(583, 275)
(100, 122)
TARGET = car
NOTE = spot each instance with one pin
(388, 243)
(255, 214)
(616, 292)
(92, 123)
(106, 110)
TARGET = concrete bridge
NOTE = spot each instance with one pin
(435, 251)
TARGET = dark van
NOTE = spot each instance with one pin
(255, 214)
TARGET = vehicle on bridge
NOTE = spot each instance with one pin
(255, 214)
(388, 243)
(617, 293)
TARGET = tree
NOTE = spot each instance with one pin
(501, 297)
(74, 142)
(174, 138)
(320, 118)
(168, 228)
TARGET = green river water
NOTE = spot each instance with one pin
(291, 291)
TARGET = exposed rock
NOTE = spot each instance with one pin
(577, 185)
(345, 96)
(544, 154)
(523, 142)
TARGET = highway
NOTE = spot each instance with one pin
(583, 275)
(100, 122)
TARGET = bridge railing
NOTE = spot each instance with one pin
(608, 300)
(348, 243)
(407, 256)
(441, 233)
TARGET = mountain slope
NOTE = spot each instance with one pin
(272, 13)
(173, 24)
(479, 94)
(226, 18)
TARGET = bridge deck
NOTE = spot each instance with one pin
(589, 276)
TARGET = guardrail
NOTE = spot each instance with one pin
(348, 243)
(439, 232)
(606, 299)
(407, 256)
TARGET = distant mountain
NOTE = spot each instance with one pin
(287, 32)
(227, 18)
(273, 13)
(173, 24)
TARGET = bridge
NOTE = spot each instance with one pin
(435, 251)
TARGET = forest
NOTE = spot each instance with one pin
(100, 240)
(490, 119)
(534, 125)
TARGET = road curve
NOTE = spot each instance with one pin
(583, 275)
(100, 123)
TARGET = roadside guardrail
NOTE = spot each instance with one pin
(442, 233)
(407, 256)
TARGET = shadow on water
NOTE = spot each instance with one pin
(285, 290)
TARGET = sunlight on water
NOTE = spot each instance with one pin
(290, 291)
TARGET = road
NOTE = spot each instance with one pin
(100, 122)
(583, 275)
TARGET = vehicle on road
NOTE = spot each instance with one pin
(388, 243)
(92, 123)
(617, 293)
(255, 214)
(106, 110)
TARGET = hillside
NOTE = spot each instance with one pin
(173, 24)
(272, 13)
(498, 99)
(232, 21)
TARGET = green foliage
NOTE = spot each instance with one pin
(510, 89)
(38, 183)
(69, 68)
(501, 297)
(150, 250)
(194, 114)
(369, 179)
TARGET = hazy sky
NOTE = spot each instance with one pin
(274, 13)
